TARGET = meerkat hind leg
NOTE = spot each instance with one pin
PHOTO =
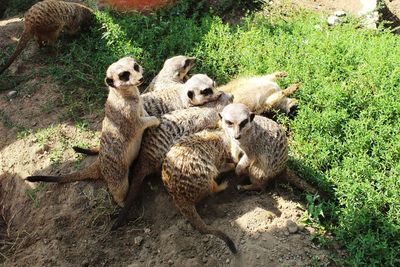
(249, 187)
(216, 188)
(276, 75)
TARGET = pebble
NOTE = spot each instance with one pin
(170, 262)
(257, 256)
(287, 233)
(333, 20)
(228, 261)
(138, 240)
(292, 226)
(339, 13)
(12, 94)
(147, 230)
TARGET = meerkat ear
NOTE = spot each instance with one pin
(109, 82)
(252, 115)
(188, 61)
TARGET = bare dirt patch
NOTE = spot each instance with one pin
(68, 225)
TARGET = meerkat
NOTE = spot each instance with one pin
(259, 147)
(46, 19)
(157, 141)
(258, 92)
(174, 72)
(121, 135)
(189, 171)
(198, 90)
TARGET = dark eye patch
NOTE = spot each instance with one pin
(207, 91)
(110, 82)
(190, 94)
(124, 76)
(136, 67)
(229, 123)
(243, 123)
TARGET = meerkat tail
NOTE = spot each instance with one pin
(90, 173)
(87, 151)
(134, 191)
(23, 41)
(293, 179)
(189, 211)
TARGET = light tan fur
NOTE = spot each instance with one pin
(174, 72)
(189, 171)
(259, 147)
(197, 91)
(46, 19)
(123, 126)
(158, 140)
(259, 91)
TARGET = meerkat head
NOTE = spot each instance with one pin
(124, 74)
(236, 120)
(222, 101)
(200, 89)
(179, 66)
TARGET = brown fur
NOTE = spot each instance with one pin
(157, 141)
(121, 135)
(189, 171)
(174, 72)
(258, 92)
(263, 145)
(46, 19)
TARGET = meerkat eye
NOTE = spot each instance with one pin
(243, 123)
(110, 82)
(190, 94)
(124, 76)
(229, 123)
(207, 91)
(136, 67)
(187, 63)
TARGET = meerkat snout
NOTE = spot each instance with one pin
(124, 73)
(236, 119)
(201, 89)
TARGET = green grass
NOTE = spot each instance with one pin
(345, 137)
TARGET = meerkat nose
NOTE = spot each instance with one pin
(237, 137)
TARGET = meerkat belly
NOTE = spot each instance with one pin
(133, 147)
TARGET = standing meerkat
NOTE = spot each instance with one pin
(263, 145)
(174, 72)
(158, 140)
(46, 19)
(189, 171)
(197, 91)
(121, 134)
(258, 92)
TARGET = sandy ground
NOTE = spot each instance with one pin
(68, 225)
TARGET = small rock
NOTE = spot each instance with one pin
(170, 262)
(147, 230)
(339, 13)
(138, 240)
(333, 20)
(286, 233)
(301, 227)
(292, 226)
(257, 256)
(228, 261)
(12, 94)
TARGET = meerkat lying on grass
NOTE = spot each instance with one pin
(259, 92)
